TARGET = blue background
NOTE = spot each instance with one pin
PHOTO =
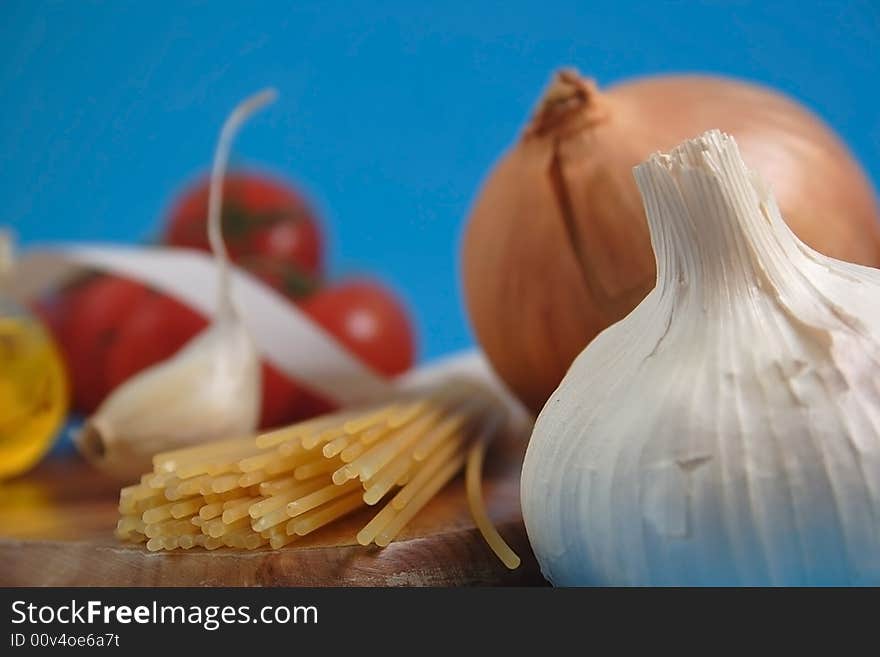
(390, 114)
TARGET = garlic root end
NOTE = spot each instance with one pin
(90, 441)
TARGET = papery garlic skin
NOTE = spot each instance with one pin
(727, 431)
(209, 390)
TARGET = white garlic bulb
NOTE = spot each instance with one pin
(210, 389)
(727, 431)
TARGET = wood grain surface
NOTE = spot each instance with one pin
(56, 529)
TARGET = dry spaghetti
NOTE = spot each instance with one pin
(276, 487)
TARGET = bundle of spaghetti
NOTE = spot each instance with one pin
(274, 488)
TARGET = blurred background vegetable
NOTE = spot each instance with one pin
(262, 218)
(557, 246)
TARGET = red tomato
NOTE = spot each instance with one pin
(282, 396)
(281, 399)
(159, 328)
(310, 404)
(366, 319)
(261, 217)
(369, 320)
(96, 316)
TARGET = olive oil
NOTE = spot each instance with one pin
(33, 390)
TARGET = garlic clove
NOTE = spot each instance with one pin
(727, 431)
(209, 390)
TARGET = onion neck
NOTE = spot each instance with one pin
(715, 228)
(572, 106)
(571, 103)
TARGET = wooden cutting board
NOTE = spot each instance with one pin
(56, 529)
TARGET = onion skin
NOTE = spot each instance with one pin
(557, 247)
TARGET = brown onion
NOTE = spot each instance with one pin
(557, 247)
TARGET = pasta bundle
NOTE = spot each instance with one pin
(276, 487)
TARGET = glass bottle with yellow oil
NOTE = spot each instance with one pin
(33, 382)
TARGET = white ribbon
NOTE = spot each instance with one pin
(287, 337)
